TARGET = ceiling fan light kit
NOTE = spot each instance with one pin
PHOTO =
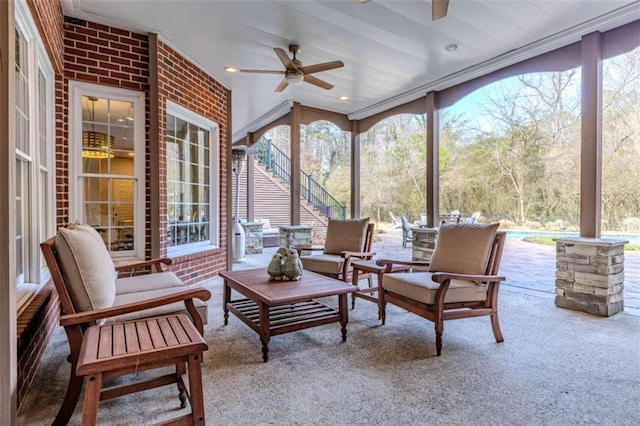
(294, 79)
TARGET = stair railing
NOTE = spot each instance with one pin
(278, 163)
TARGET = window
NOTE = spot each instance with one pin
(107, 165)
(34, 136)
(192, 181)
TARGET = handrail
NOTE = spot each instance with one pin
(278, 163)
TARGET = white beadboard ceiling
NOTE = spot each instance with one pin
(393, 52)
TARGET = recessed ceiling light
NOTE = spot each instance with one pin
(230, 69)
(344, 98)
(120, 120)
(451, 47)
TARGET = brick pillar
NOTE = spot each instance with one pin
(295, 235)
(590, 275)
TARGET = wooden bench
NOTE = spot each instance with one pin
(124, 348)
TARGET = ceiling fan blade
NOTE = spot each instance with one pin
(284, 58)
(439, 9)
(317, 82)
(326, 66)
(263, 71)
(283, 85)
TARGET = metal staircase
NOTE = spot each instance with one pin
(278, 163)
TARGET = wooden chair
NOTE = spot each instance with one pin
(462, 280)
(91, 293)
(347, 240)
(397, 222)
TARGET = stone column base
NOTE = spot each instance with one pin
(253, 237)
(295, 235)
(423, 244)
(590, 275)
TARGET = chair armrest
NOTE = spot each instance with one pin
(388, 263)
(308, 248)
(441, 277)
(155, 264)
(361, 254)
(98, 314)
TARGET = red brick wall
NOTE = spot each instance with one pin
(36, 324)
(48, 17)
(185, 84)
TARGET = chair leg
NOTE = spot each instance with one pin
(438, 339)
(382, 305)
(495, 325)
(195, 385)
(70, 398)
(180, 371)
(91, 399)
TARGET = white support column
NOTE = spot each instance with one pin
(433, 179)
(8, 351)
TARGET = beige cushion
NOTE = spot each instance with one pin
(324, 263)
(173, 308)
(463, 248)
(266, 224)
(86, 267)
(148, 282)
(345, 235)
(419, 286)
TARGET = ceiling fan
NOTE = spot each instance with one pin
(438, 8)
(295, 73)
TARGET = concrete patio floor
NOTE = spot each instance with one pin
(527, 266)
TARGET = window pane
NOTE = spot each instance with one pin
(22, 104)
(21, 215)
(188, 176)
(109, 207)
(42, 119)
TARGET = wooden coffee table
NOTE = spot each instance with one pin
(277, 307)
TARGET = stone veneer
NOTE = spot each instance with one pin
(253, 237)
(295, 235)
(590, 275)
(424, 243)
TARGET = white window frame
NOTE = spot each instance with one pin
(77, 90)
(41, 218)
(185, 114)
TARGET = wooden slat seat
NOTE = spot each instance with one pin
(116, 349)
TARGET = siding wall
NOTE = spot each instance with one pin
(272, 200)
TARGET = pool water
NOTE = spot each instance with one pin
(518, 235)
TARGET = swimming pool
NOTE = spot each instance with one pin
(518, 235)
